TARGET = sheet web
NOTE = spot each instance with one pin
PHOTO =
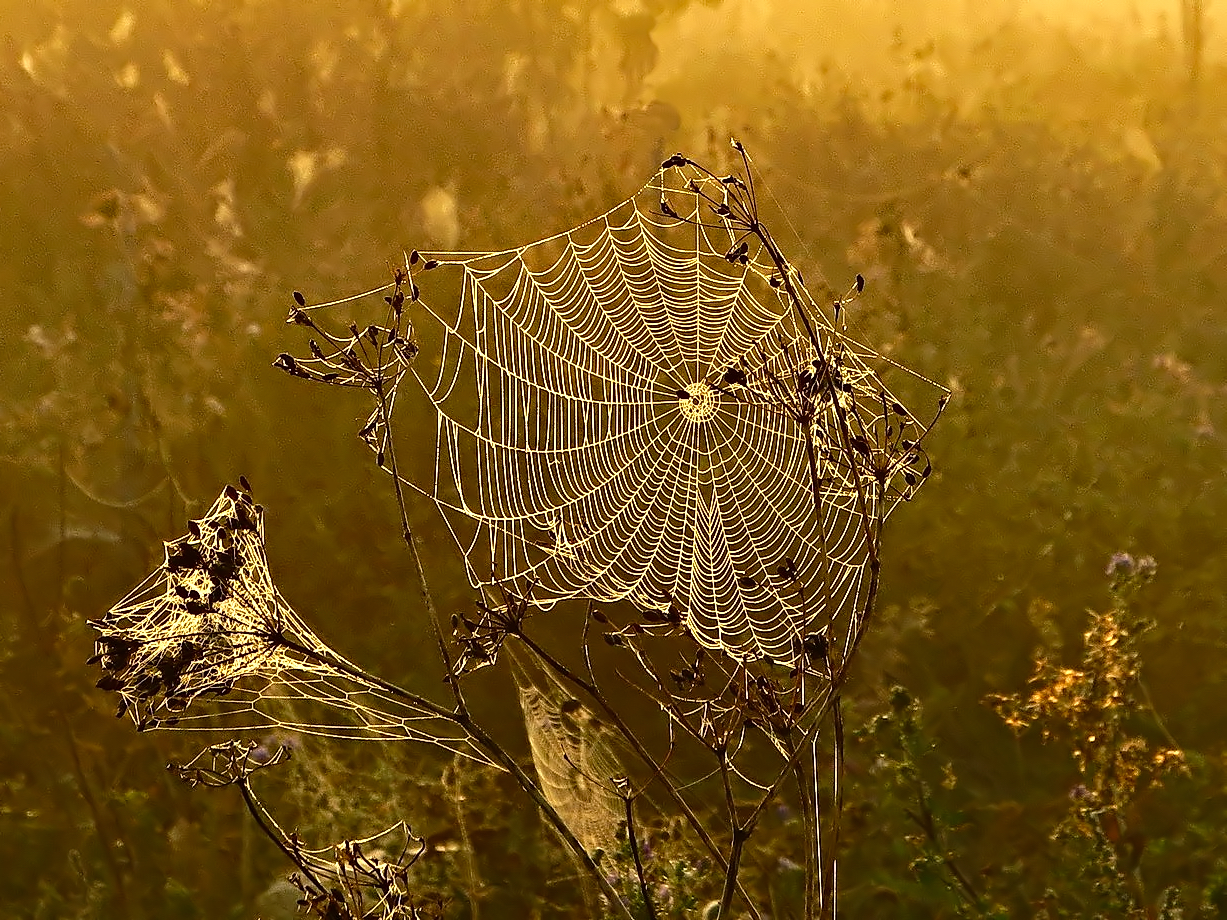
(615, 420)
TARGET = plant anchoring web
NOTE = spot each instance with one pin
(210, 624)
(628, 411)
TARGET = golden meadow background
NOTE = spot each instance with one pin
(1035, 194)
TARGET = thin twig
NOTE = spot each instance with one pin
(648, 903)
(253, 806)
(453, 679)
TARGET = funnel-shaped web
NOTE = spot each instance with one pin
(209, 623)
(615, 418)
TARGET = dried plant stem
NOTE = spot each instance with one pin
(633, 840)
(410, 541)
(275, 834)
(830, 892)
(817, 711)
(811, 819)
(740, 836)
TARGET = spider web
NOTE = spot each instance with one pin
(356, 878)
(575, 756)
(616, 418)
(210, 624)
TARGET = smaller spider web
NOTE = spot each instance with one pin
(575, 756)
(209, 626)
(615, 417)
(353, 873)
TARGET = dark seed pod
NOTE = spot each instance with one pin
(299, 299)
(429, 264)
(735, 375)
(225, 566)
(860, 283)
(180, 556)
(414, 257)
(815, 645)
(745, 581)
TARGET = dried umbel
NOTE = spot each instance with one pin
(205, 620)
(210, 625)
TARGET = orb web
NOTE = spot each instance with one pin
(612, 416)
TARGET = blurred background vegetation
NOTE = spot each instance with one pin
(1036, 196)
